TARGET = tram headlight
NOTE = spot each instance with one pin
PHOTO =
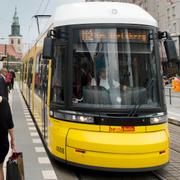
(158, 120)
(73, 117)
(83, 119)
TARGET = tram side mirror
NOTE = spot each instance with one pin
(48, 48)
(170, 49)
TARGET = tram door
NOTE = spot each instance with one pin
(40, 95)
(44, 93)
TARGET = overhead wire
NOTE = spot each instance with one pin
(47, 22)
(46, 6)
(36, 12)
(40, 5)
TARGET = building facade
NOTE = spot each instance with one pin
(166, 12)
(15, 39)
(11, 53)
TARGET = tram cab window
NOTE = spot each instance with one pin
(128, 60)
(57, 86)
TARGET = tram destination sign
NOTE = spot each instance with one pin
(93, 35)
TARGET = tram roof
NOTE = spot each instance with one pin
(102, 12)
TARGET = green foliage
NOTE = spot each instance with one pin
(11, 58)
(12, 63)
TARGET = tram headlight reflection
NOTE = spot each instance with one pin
(85, 119)
(158, 120)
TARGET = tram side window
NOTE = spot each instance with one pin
(29, 78)
(57, 87)
(25, 73)
(38, 72)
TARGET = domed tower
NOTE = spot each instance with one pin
(15, 38)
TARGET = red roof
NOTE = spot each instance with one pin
(10, 51)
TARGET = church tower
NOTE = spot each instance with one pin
(15, 39)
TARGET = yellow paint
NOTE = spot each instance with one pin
(118, 150)
(117, 160)
(118, 142)
(157, 127)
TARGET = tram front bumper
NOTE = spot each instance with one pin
(118, 150)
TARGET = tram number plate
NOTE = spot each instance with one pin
(60, 149)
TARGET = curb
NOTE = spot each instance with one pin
(173, 121)
(174, 96)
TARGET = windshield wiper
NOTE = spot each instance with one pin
(137, 106)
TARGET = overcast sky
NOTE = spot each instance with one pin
(26, 9)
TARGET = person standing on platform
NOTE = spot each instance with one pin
(3, 85)
(6, 126)
(13, 76)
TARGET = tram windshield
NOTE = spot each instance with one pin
(114, 68)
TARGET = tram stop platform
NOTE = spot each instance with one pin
(37, 165)
(173, 105)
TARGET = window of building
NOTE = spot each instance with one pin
(12, 41)
(169, 20)
(19, 41)
(173, 10)
(174, 27)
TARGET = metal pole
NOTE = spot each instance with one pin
(170, 101)
(37, 20)
(179, 46)
(5, 49)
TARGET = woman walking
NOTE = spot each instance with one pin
(6, 126)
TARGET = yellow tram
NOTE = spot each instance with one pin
(95, 89)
